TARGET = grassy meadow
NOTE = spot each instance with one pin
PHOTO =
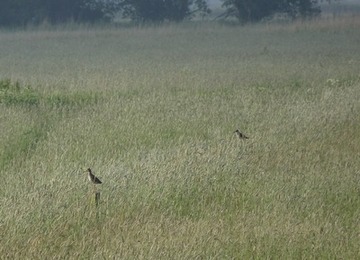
(152, 111)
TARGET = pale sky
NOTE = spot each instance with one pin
(214, 3)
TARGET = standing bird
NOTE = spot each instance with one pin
(92, 177)
(241, 135)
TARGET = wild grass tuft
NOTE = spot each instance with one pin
(13, 94)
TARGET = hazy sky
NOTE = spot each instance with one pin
(214, 3)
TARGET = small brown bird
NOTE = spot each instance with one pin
(241, 135)
(92, 177)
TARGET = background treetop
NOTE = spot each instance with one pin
(23, 12)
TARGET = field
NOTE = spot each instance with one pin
(152, 111)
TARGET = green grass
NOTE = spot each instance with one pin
(152, 111)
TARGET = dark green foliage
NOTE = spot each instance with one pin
(76, 10)
(157, 11)
(23, 12)
(300, 8)
(17, 12)
(255, 10)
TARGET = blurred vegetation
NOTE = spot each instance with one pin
(24, 13)
(15, 94)
(250, 11)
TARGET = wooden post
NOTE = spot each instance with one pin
(97, 198)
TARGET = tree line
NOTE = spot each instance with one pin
(24, 12)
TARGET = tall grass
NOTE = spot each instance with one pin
(152, 111)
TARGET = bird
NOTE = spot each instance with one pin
(92, 177)
(241, 135)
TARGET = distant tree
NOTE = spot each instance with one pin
(255, 10)
(76, 10)
(22, 12)
(301, 8)
(156, 11)
(17, 12)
